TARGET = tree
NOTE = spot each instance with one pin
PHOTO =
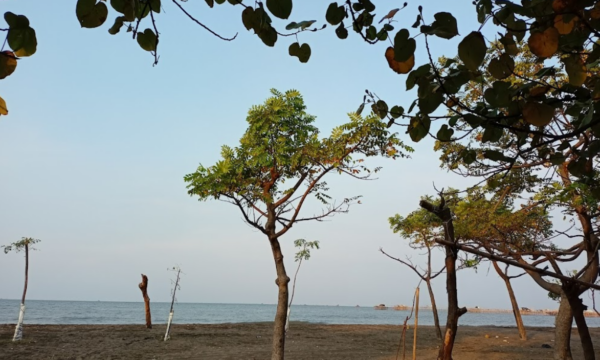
(303, 253)
(420, 228)
(546, 156)
(24, 244)
(279, 163)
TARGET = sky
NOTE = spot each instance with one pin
(97, 141)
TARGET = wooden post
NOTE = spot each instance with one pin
(168, 332)
(144, 287)
(416, 324)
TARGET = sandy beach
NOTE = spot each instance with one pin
(253, 340)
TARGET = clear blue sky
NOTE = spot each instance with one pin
(94, 150)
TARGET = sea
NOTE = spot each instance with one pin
(108, 312)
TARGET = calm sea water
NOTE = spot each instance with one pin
(103, 312)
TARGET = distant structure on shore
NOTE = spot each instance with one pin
(381, 307)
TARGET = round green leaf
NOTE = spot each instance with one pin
(301, 51)
(23, 41)
(418, 127)
(471, 50)
(380, 108)
(147, 40)
(444, 26)
(117, 25)
(335, 14)
(341, 31)
(16, 21)
(90, 14)
(445, 133)
(404, 47)
(430, 101)
(501, 67)
(280, 8)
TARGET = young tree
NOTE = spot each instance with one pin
(25, 244)
(303, 253)
(176, 287)
(420, 228)
(279, 163)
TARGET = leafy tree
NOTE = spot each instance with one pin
(279, 163)
(420, 228)
(545, 156)
(25, 244)
(303, 253)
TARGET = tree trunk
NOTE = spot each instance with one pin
(577, 309)
(144, 287)
(562, 331)
(436, 319)
(454, 312)
(19, 328)
(513, 300)
(278, 347)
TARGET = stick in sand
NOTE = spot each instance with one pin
(172, 302)
(416, 324)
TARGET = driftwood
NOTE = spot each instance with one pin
(144, 287)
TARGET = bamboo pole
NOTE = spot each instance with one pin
(416, 324)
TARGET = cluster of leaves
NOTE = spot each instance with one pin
(20, 245)
(21, 39)
(281, 153)
(304, 248)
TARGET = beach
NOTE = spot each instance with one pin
(253, 341)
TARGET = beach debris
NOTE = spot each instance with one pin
(546, 346)
(144, 288)
(487, 336)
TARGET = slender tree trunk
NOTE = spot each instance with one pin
(287, 320)
(454, 312)
(282, 281)
(436, 319)
(19, 328)
(577, 309)
(562, 330)
(513, 301)
(144, 287)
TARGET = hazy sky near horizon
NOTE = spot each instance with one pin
(94, 150)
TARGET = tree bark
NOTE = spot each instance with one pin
(278, 347)
(436, 319)
(513, 301)
(144, 287)
(578, 309)
(562, 330)
(19, 328)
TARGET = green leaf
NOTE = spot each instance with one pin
(576, 70)
(469, 156)
(492, 134)
(473, 120)
(91, 14)
(380, 108)
(335, 14)
(445, 133)
(155, 6)
(416, 74)
(280, 8)
(495, 155)
(417, 22)
(341, 31)
(125, 7)
(418, 127)
(251, 20)
(305, 24)
(538, 114)
(501, 67)
(302, 52)
(268, 35)
(430, 102)
(147, 40)
(498, 95)
(8, 63)
(444, 26)
(557, 159)
(117, 25)
(23, 41)
(397, 111)
(210, 3)
(471, 50)
(16, 21)
(404, 47)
